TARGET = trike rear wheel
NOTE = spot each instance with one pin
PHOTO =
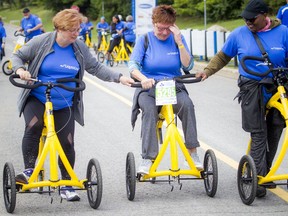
(9, 187)
(247, 179)
(210, 173)
(94, 185)
(100, 57)
(7, 70)
(130, 176)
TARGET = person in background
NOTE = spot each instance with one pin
(166, 54)
(283, 14)
(101, 26)
(1, 21)
(265, 131)
(2, 41)
(75, 7)
(86, 27)
(30, 24)
(129, 31)
(116, 29)
(49, 65)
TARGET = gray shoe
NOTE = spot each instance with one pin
(196, 161)
(144, 166)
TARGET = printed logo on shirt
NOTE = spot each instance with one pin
(277, 48)
(172, 53)
(69, 67)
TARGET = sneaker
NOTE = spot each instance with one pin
(260, 191)
(144, 166)
(196, 161)
(69, 194)
(24, 176)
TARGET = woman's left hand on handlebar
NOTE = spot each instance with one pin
(147, 83)
(23, 74)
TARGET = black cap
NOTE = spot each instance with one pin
(26, 10)
(253, 8)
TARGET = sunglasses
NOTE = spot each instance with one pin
(252, 20)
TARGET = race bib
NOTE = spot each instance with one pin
(165, 92)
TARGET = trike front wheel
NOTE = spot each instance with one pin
(94, 185)
(210, 173)
(100, 57)
(247, 179)
(6, 68)
(130, 176)
(9, 187)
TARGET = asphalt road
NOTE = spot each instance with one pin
(108, 136)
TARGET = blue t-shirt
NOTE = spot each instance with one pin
(30, 23)
(129, 33)
(242, 43)
(55, 66)
(283, 14)
(2, 34)
(101, 26)
(161, 59)
(118, 26)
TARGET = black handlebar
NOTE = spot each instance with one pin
(260, 59)
(187, 78)
(81, 85)
(18, 33)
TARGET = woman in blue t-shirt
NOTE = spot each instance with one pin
(51, 56)
(241, 42)
(165, 55)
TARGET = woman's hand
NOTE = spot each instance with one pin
(126, 80)
(177, 34)
(23, 74)
(147, 83)
(201, 74)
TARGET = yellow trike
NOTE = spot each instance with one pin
(173, 138)
(247, 178)
(49, 145)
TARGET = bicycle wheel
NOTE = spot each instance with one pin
(6, 68)
(100, 57)
(95, 185)
(247, 179)
(130, 176)
(210, 173)
(9, 187)
(111, 60)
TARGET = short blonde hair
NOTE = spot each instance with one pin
(67, 19)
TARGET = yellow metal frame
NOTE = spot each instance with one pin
(88, 42)
(54, 148)
(103, 45)
(280, 102)
(122, 54)
(173, 138)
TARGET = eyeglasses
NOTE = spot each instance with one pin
(74, 30)
(252, 20)
(162, 29)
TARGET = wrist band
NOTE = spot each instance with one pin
(181, 46)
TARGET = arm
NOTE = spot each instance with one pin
(215, 64)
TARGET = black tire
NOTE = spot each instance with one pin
(9, 187)
(94, 184)
(100, 57)
(111, 61)
(210, 173)
(247, 179)
(130, 176)
(6, 70)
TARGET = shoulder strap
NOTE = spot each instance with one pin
(264, 53)
(146, 42)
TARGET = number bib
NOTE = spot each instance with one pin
(165, 93)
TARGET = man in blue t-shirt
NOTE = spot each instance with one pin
(102, 26)
(30, 24)
(283, 14)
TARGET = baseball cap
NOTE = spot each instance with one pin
(26, 10)
(253, 8)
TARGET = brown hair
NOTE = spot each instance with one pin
(164, 14)
(67, 19)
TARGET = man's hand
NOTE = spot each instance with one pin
(201, 74)
(126, 80)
